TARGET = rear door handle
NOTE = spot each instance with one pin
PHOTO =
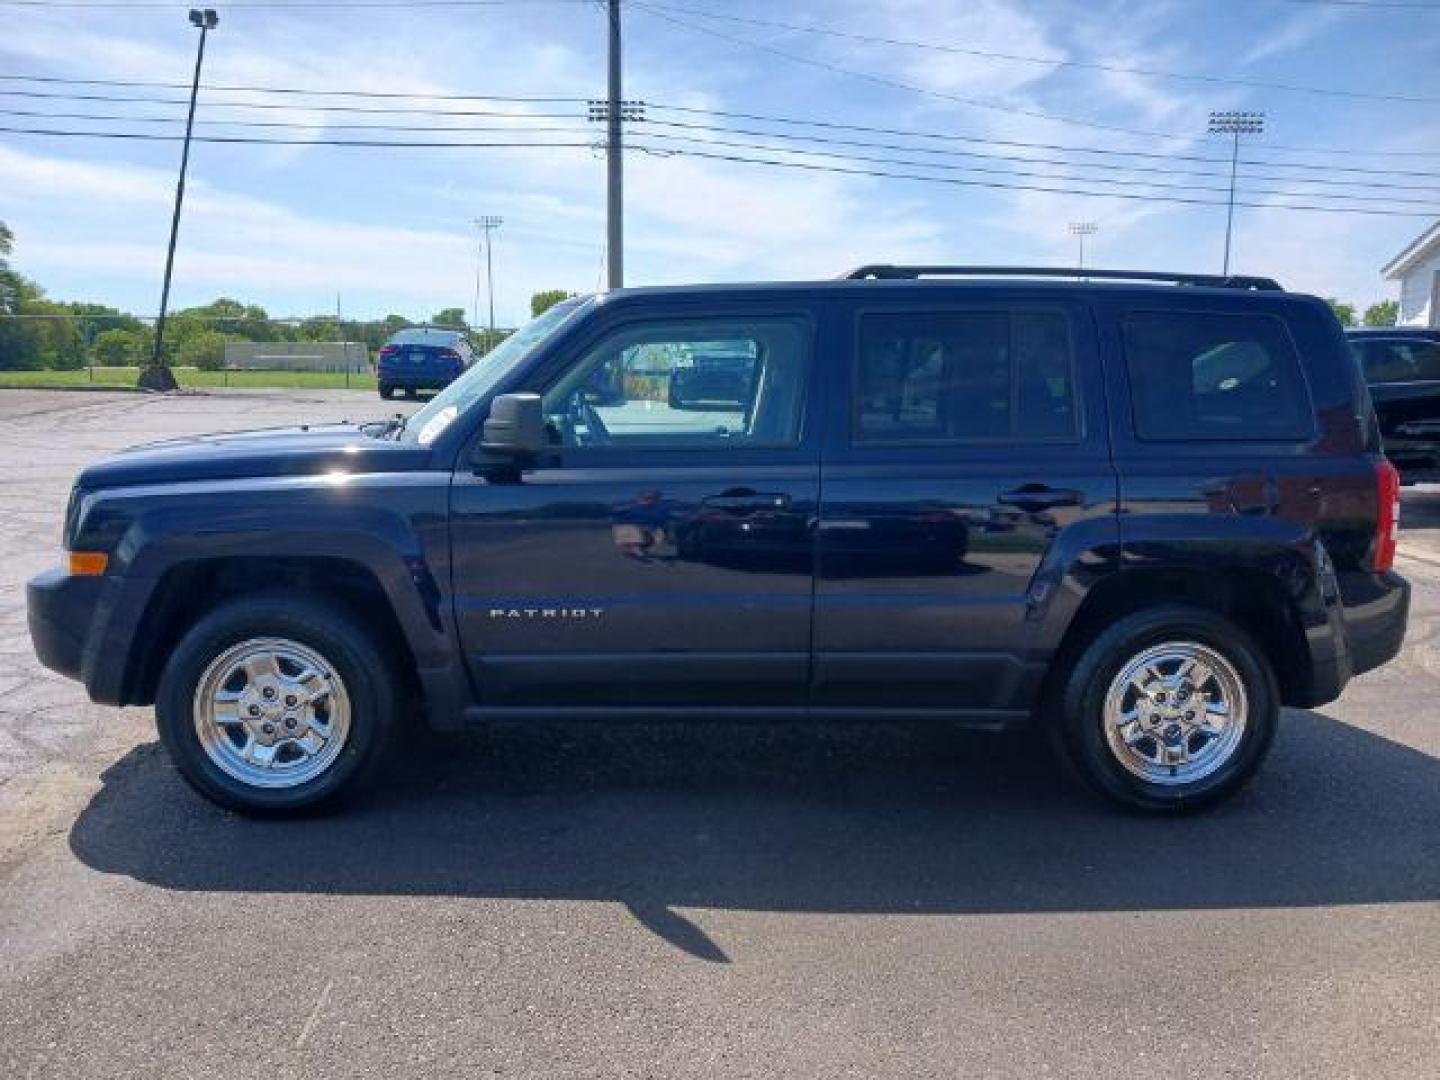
(744, 500)
(1039, 497)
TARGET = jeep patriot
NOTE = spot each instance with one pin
(1137, 513)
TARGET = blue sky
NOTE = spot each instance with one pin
(291, 226)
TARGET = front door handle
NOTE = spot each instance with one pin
(1033, 497)
(745, 500)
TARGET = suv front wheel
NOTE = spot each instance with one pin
(1168, 709)
(274, 704)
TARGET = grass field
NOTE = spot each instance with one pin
(104, 377)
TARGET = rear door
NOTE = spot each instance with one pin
(661, 555)
(972, 436)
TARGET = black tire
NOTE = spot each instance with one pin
(387, 391)
(1078, 716)
(366, 673)
(412, 392)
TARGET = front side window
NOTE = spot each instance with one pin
(1212, 376)
(701, 383)
(957, 375)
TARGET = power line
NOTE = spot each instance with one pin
(1019, 144)
(272, 105)
(809, 167)
(646, 125)
(1090, 65)
(704, 154)
(145, 136)
(227, 88)
(1105, 166)
(285, 124)
(523, 125)
(910, 163)
(420, 96)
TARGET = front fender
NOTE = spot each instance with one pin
(392, 525)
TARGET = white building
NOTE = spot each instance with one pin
(1417, 268)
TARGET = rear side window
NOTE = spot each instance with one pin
(1212, 376)
(1399, 361)
(961, 375)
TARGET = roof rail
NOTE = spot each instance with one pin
(884, 272)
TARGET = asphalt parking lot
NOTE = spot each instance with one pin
(730, 900)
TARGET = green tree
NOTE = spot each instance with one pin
(122, 346)
(204, 350)
(9, 280)
(1382, 314)
(450, 316)
(19, 338)
(1343, 311)
(544, 300)
(53, 329)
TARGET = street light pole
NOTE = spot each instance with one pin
(614, 163)
(485, 224)
(1234, 124)
(1080, 230)
(158, 376)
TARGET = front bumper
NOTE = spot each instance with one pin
(60, 609)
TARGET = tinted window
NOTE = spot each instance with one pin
(722, 382)
(1389, 361)
(1205, 376)
(935, 376)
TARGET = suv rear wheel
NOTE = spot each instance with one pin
(1169, 709)
(272, 705)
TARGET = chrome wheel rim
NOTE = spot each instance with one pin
(1175, 713)
(271, 713)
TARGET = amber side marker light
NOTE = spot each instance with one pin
(88, 563)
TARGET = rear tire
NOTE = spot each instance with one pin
(273, 705)
(1168, 710)
(387, 391)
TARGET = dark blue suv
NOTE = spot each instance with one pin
(422, 358)
(1134, 515)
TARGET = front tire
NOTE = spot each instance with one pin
(1168, 710)
(273, 705)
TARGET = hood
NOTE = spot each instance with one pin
(295, 451)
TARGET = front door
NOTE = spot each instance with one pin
(661, 554)
(974, 438)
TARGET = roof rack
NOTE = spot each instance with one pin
(885, 272)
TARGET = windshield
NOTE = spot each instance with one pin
(426, 424)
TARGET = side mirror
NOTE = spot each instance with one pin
(515, 428)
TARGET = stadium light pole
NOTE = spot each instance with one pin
(1234, 124)
(486, 224)
(157, 375)
(1080, 230)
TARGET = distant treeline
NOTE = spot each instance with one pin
(39, 333)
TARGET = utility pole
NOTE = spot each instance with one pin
(485, 224)
(614, 164)
(157, 376)
(1080, 230)
(1234, 124)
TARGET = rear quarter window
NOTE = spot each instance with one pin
(1202, 375)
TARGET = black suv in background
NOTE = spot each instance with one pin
(1402, 366)
(1132, 515)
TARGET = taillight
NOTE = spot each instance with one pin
(1387, 520)
(388, 351)
(450, 354)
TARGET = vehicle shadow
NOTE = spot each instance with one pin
(863, 819)
(1420, 508)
